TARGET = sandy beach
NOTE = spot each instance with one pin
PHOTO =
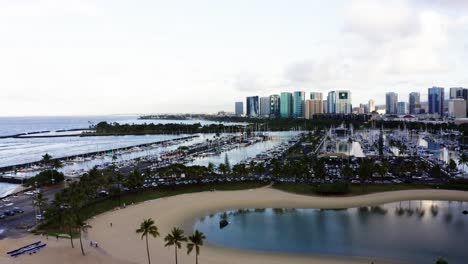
(120, 243)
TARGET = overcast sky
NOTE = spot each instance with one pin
(82, 57)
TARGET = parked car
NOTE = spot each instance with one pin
(39, 217)
(2, 216)
(9, 213)
(29, 193)
(17, 210)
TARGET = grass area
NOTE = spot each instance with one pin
(145, 195)
(107, 204)
(354, 189)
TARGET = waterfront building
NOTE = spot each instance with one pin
(371, 106)
(239, 108)
(339, 102)
(414, 103)
(313, 107)
(391, 100)
(274, 106)
(252, 106)
(402, 108)
(286, 104)
(436, 100)
(298, 104)
(265, 106)
(457, 108)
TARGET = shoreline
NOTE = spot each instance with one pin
(121, 243)
(182, 211)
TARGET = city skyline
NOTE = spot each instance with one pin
(98, 57)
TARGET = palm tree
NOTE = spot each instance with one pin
(81, 226)
(46, 159)
(463, 161)
(196, 241)
(40, 201)
(147, 227)
(174, 238)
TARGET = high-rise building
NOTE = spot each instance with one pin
(265, 106)
(457, 92)
(312, 107)
(325, 106)
(414, 103)
(436, 100)
(339, 102)
(252, 106)
(457, 108)
(402, 108)
(239, 108)
(286, 105)
(274, 106)
(371, 106)
(391, 100)
(298, 104)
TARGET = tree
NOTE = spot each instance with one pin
(46, 159)
(452, 165)
(211, 167)
(319, 169)
(81, 226)
(382, 169)
(135, 180)
(380, 145)
(147, 227)
(365, 170)
(174, 239)
(195, 241)
(40, 201)
(441, 261)
(57, 164)
(463, 161)
(347, 171)
(226, 163)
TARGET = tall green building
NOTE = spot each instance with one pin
(286, 105)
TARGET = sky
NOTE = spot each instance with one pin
(96, 57)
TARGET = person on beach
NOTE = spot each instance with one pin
(111, 224)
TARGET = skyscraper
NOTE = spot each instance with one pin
(436, 100)
(314, 105)
(371, 106)
(391, 100)
(457, 108)
(457, 92)
(274, 106)
(252, 106)
(265, 106)
(402, 108)
(239, 108)
(339, 102)
(298, 104)
(414, 103)
(286, 105)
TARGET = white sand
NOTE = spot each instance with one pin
(122, 243)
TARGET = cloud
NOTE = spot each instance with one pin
(381, 20)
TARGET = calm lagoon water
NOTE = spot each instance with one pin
(410, 231)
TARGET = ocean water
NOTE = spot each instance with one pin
(24, 150)
(420, 232)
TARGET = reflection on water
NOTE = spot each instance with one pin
(412, 231)
(237, 155)
(350, 148)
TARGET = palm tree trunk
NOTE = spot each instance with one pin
(196, 258)
(175, 254)
(147, 250)
(71, 238)
(81, 244)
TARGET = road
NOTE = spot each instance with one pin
(8, 226)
